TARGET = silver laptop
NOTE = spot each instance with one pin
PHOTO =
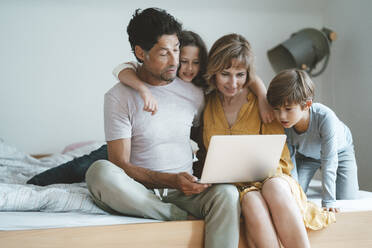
(242, 158)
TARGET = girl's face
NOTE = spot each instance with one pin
(189, 63)
(231, 81)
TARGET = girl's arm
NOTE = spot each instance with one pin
(258, 88)
(126, 73)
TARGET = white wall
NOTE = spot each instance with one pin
(347, 84)
(56, 57)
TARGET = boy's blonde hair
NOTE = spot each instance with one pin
(290, 86)
(223, 51)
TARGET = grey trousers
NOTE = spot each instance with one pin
(347, 175)
(115, 192)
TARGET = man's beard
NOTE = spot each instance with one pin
(164, 76)
(168, 78)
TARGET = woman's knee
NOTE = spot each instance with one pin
(276, 190)
(252, 202)
(254, 209)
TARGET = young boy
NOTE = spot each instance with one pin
(317, 138)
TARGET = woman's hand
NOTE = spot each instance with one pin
(266, 112)
(150, 103)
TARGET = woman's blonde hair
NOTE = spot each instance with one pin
(222, 53)
(290, 86)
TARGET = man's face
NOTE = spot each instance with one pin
(161, 62)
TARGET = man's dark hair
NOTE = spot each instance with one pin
(148, 25)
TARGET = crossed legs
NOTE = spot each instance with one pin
(115, 192)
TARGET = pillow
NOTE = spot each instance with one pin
(76, 145)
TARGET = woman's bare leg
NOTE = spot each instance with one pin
(259, 227)
(285, 213)
(249, 240)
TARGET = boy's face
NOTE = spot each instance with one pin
(290, 114)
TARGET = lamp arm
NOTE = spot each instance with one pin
(326, 33)
(325, 63)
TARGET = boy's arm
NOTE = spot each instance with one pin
(329, 161)
(126, 73)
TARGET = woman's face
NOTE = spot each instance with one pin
(231, 81)
(189, 63)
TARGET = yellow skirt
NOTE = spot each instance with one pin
(314, 217)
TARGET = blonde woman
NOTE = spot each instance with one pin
(275, 210)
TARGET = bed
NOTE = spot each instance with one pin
(65, 216)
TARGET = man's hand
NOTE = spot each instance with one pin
(187, 184)
(334, 210)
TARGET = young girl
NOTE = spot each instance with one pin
(192, 68)
(316, 136)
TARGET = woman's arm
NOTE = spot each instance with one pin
(126, 73)
(257, 86)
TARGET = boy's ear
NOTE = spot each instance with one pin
(309, 103)
(140, 53)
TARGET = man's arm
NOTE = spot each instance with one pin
(119, 154)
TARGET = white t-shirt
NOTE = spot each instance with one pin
(159, 142)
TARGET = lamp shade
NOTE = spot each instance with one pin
(303, 50)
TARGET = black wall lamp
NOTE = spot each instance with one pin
(303, 50)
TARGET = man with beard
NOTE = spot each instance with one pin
(149, 168)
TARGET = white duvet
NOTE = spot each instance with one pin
(17, 167)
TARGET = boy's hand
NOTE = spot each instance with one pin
(334, 210)
(150, 103)
(266, 111)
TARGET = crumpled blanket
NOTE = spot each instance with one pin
(17, 167)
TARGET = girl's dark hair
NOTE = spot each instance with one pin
(147, 26)
(189, 38)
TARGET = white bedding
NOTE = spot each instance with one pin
(10, 221)
(24, 206)
(17, 167)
